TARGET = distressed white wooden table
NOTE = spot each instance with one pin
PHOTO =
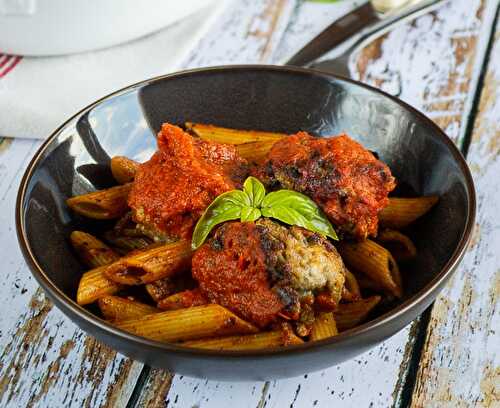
(447, 65)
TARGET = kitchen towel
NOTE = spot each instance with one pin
(39, 94)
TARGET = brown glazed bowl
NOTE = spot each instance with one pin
(75, 160)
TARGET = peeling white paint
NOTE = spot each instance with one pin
(461, 359)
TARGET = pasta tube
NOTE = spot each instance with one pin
(160, 289)
(349, 315)
(127, 243)
(181, 300)
(249, 342)
(255, 151)
(399, 245)
(369, 284)
(150, 265)
(92, 252)
(401, 212)
(117, 308)
(351, 290)
(103, 204)
(188, 324)
(374, 261)
(324, 326)
(94, 285)
(123, 169)
(230, 136)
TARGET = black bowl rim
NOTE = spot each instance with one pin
(367, 328)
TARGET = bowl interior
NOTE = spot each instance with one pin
(76, 160)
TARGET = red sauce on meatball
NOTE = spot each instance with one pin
(181, 179)
(231, 271)
(340, 175)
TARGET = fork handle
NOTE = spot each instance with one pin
(364, 22)
(336, 33)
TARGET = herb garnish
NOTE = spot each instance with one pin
(252, 202)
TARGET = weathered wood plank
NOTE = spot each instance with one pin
(446, 50)
(247, 32)
(45, 360)
(368, 380)
(460, 364)
(309, 20)
(431, 63)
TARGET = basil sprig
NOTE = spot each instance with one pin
(249, 205)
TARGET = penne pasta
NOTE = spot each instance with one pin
(92, 252)
(255, 151)
(401, 212)
(94, 285)
(225, 265)
(324, 326)
(352, 314)
(123, 169)
(367, 283)
(160, 289)
(103, 204)
(248, 342)
(150, 232)
(117, 308)
(127, 243)
(374, 261)
(399, 245)
(230, 136)
(150, 265)
(351, 290)
(181, 300)
(188, 324)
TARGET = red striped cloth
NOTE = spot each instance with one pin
(8, 63)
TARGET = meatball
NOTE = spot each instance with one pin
(263, 270)
(341, 176)
(182, 178)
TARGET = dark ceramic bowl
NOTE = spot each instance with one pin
(75, 160)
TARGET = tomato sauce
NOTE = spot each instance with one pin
(231, 271)
(340, 175)
(181, 179)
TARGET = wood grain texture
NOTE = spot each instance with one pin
(248, 31)
(433, 63)
(45, 360)
(460, 364)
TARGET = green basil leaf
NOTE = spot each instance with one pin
(237, 197)
(250, 214)
(289, 198)
(286, 214)
(295, 208)
(226, 207)
(255, 191)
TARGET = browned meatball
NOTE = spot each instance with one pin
(341, 176)
(262, 270)
(173, 188)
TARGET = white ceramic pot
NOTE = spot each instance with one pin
(55, 27)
